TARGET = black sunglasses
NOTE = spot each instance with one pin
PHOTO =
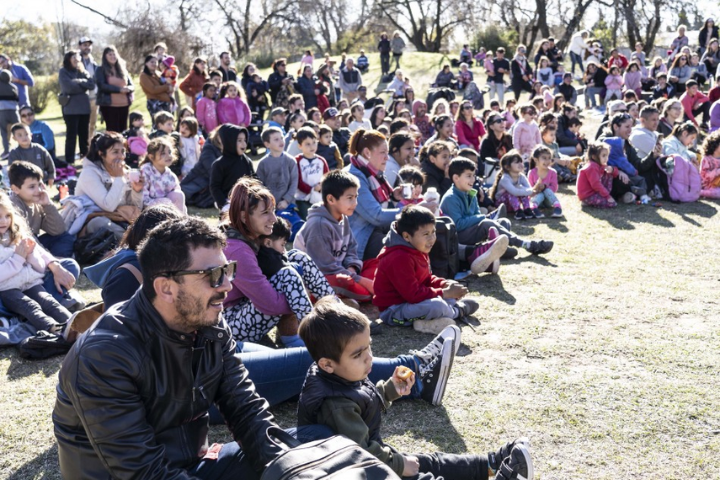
(216, 275)
(467, 107)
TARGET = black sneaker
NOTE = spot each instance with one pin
(435, 362)
(510, 253)
(516, 466)
(519, 215)
(529, 213)
(540, 247)
(495, 459)
(467, 307)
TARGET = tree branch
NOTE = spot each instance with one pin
(107, 19)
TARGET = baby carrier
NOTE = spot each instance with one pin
(475, 95)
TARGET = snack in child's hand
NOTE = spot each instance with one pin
(404, 373)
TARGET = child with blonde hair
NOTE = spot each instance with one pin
(23, 263)
(161, 184)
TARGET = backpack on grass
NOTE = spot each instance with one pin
(444, 258)
(43, 345)
(683, 178)
(336, 457)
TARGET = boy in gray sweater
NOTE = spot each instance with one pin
(31, 152)
(278, 170)
(327, 238)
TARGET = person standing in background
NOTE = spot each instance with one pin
(21, 78)
(86, 45)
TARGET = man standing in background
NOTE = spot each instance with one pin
(21, 77)
(86, 45)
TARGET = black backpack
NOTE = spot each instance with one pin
(336, 457)
(91, 248)
(444, 259)
(43, 345)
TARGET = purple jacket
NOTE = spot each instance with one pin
(252, 283)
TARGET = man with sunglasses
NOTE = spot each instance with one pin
(135, 389)
(41, 132)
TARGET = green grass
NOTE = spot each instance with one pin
(604, 352)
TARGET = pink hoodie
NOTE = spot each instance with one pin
(234, 111)
(526, 136)
(206, 113)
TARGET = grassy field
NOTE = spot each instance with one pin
(604, 352)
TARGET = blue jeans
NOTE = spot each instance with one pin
(590, 99)
(546, 198)
(232, 464)
(279, 374)
(49, 282)
(60, 246)
(576, 60)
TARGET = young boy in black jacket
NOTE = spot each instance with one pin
(337, 393)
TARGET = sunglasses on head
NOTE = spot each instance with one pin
(216, 275)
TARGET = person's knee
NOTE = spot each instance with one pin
(71, 266)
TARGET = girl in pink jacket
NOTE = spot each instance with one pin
(526, 133)
(206, 109)
(614, 83)
(231, 107)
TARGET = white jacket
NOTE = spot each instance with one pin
(107, 192)
(577, 44)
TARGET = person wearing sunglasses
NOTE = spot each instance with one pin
(680, 73)
(468, 129)
(135, 389)
(41, 132)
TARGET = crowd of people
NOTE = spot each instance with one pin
(356, 199)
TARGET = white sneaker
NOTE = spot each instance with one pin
(629, 197)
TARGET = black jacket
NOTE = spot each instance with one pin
(275, 81)
(233, 165)
(133, 398)
(434, 177)
(563, 139)
(105, 89)
(196, 184)
(341, 138)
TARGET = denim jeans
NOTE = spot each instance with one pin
(576, 60)
(546, 198)
(60, 246)
(232, 463)
(279, 375)
(49, 281)
(590, 99)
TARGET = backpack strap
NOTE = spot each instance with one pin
(134, 270)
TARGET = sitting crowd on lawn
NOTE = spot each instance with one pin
(356, 201)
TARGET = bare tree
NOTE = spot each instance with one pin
(430, 21)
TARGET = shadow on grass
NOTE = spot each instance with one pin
(701, 209)
(20, 368)
(422, 421)
(44, 466)
(491, 286)
(624, 217)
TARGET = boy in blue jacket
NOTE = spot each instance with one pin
(617, 158)
(461, 205)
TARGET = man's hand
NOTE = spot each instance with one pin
(61, 277)
(623, 177)
(657, 151)
(454, 290)
(411, 466)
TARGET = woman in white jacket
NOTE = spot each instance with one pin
(577, 50)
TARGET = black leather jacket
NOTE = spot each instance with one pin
(133, 398)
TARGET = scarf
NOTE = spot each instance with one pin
(380, 188)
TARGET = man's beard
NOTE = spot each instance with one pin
(192, 312)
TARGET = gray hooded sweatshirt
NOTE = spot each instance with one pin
(329, 243)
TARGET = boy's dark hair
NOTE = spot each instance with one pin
(398, 124)
(135, 115)
(324, 130)
(460, 165)
(336, 183)
(412, 218)
(161, 117)
(329, 327)
(168, 248)
(412, 174)
(265, 135)
(18, 126)
(304, 133)
(281, 229)
(150, 218)
(214, 73)
(574, 122)
(468, 153)
(18, 172)
(691, 83)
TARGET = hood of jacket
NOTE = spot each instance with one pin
(228, 137)
(5, 76)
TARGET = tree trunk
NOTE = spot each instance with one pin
(574, 23)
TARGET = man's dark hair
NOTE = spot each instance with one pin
(216, 73)
(336, 183)
(281, 229)
(459, 165)
(412, 218)
(304, 133)
(18, 126)
(18, 172)
(329, 327)
(168, 248)
(222, 54)
(648, 110)
(398, 124)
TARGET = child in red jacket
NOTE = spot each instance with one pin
(406, 291)
(594, 181)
